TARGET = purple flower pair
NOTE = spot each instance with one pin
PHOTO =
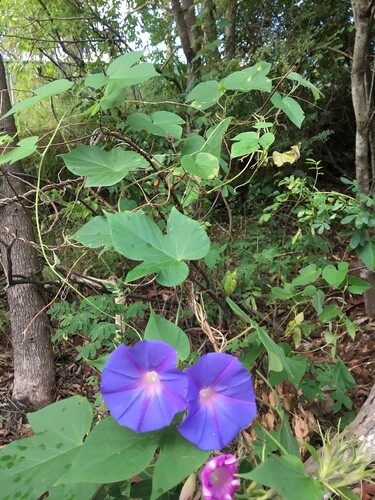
(144, 390)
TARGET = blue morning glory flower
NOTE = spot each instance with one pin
(142, 387)
(220, 401)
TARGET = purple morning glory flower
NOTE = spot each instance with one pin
(218, 479)
(142, 387)
(220, 401)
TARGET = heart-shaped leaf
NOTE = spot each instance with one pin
(103, 168)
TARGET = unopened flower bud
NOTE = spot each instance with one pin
(188, 488)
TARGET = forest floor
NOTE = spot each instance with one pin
(72, 379)
(79, 378)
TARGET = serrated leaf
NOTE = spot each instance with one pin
(103, 168)
(253, 78)
(24, 148)
(111, 453)
(290, 107)
(30, 467)
(178, 458)
(204, 95)
(48, 90)
(94, 234)
(159, 328)
(186, 239)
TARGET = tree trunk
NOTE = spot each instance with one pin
(362, 95)
(210, 31)
(184, 17)
(30, 327)
(230, 30)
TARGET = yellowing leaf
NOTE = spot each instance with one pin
(290, 156)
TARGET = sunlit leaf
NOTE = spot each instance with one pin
(253, 78)
(24, 148)
(305, 83)
(103, 168)
(162, 254)
(205, 94)
(94, 234)
(48, 90)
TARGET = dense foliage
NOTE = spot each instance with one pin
(192, 185)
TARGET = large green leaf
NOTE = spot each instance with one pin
(253, 78)
(205, 95)
(81, 491)
(178, 458)
(111, 453)
(94, 234)
(161, 123)
(287, 476)
(305, 83)
(290, 107)
(24, 148)
(203, 165)
(306, 275)
(159, 328)
(138, 237)
(48, 90)
(358, 285)
(103, 168)
(29, 467)
(335, 276)
(121, 73)
(124, 72)
(245, 143)
(214, 138)
(366, 253)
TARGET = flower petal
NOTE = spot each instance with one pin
(132, 399)
(212, 423)
(218, 479)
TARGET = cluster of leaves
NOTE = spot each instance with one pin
(185, 169)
